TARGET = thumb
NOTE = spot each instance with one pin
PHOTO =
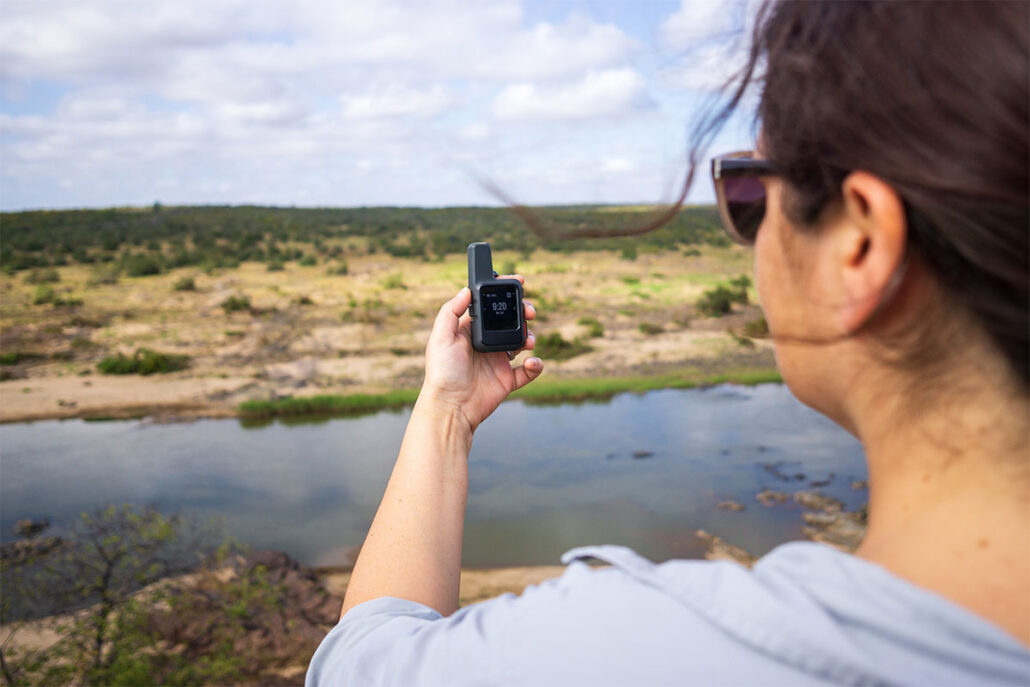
(527, 372)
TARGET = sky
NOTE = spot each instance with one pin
(359, 102)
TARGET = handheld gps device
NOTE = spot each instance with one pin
(498, 323)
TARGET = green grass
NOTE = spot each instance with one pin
(540, 391)
(329, 404)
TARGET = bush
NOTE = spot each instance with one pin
(339, 269)
(629, 252)
(649, 329)
(716, 302)
(143, 362)
(757, 329)
(555, 347)
(308, 261)
(235, 303)
(185, 284)
(394, 281)
(43, 295)
(740, 286)
(142, 265)
(43, 276)
(103, 275)
(275, 266)
(595, 329)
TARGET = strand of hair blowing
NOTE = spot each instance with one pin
(935, 99)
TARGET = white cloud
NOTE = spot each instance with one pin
(395, 100)
(604, 94)
(700, 20)
(360, 101)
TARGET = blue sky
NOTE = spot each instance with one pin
(357, 102)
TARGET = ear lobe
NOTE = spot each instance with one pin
(874, 248)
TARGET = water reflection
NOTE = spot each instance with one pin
(542, 478)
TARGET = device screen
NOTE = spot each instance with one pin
(500, 307)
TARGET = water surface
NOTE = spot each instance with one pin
(543, 479)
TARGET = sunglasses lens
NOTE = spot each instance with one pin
(745, 201)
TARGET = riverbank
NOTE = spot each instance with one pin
(264, 338)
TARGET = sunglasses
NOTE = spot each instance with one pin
(740, 193)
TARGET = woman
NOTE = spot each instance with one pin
(888, 207)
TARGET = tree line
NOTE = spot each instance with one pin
(146, 241)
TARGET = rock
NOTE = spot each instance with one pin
(640, 455)
(718, 550)
(26, 550)
(30, 528)
(843, 531)
(860, 484)
(731, 506)
(816, 501)
(768, 497)
(823, 482)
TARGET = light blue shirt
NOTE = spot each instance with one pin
(805, 615)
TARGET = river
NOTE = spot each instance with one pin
(644, 471)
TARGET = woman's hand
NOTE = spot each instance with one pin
(464, 379)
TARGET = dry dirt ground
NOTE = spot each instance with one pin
(308, 332)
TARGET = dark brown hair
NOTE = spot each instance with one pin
(934, 98)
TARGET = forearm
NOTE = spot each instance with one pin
(413, 549)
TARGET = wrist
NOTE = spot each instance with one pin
(445, 419)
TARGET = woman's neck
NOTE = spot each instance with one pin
(949, 499)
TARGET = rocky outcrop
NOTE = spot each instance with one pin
(718, 550)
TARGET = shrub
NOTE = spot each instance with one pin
(308, 261)
(595, 329)
(275, 266)
(43, 276)
(632, 281)
(629, 252)
(303, 300)
(740, 286)
(236, 302)
(103, 275)
(756, 329)
(185, 284)
(691, 253)
(339, 269)
(716, 302)
(43, 295)
(393, 281)
(143, 362)
(142, 265)
(555, 347)
(649, 329)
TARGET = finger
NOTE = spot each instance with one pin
(519, 277)
(529, 312)
(530, 342)
(527, 372)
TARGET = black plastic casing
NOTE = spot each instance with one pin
(481, 274)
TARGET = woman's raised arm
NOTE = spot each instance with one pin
(413, 549)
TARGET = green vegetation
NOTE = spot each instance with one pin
(649, 329)
(44, 276)
(15, 357)
(393, 281)
(185, 284)
(756, 329)
(143, 362)
(595, 329)
(43, 294)
(175, 633)
(540, 391)
(141, 244)
(339, 269)
(235, 303)
(554, 347)
(719, 300)
(329, 404)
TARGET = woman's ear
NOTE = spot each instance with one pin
(871, 247)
